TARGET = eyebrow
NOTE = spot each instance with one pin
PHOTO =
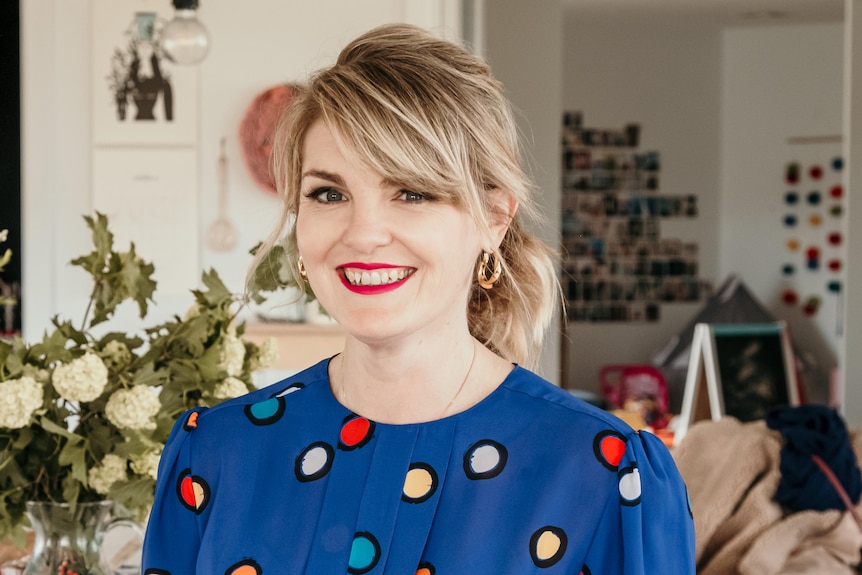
(324, 175)
(338, 180)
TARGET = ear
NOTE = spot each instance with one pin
(502, 208)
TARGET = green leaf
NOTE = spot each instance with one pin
(75, 455)
(52, 427)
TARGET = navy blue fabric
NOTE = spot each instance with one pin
(814, 430)
(530, 480)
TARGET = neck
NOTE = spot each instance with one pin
(408, 383)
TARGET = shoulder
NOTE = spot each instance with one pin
(273, 394)
(557, 405)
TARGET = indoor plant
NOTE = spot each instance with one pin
(83, 417)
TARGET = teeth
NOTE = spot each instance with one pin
(376, 277)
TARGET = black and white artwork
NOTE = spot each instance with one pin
(139, 95)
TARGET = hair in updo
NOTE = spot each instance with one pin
(425, 113)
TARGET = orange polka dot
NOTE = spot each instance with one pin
(244, 570)
(423, 571)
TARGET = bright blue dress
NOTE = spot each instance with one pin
(286, 480)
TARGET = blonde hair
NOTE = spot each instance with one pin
(425, 113)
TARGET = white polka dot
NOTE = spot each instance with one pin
(630, 485)
(484, 459)
(314, 460)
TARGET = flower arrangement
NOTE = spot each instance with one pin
(84, 417)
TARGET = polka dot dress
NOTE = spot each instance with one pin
(530, 480)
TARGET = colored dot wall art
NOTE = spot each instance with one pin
(813, 204)
(617, 264)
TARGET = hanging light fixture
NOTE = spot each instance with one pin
(184, 39)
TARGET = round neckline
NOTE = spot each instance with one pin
(449, 418)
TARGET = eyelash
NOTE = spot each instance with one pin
(316, 194)
(321, 195)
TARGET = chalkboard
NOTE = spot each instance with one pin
(740, 370)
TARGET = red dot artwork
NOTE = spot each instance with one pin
(816, 172)
(835, 238)
(835, 265)
(790, 297)
(836, 192)
(812, 253)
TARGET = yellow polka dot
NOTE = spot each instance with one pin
(418, 483)
(200, 494)
(792, 245)
(815, 220)
(548, 545)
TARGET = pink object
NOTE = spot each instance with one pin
(622, 384)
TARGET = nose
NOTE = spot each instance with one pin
(368, 227)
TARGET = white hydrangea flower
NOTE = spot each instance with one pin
(116, 352)
(230, 388)
(268, 352)
(111, 470)
(134, 408)
(147, 464)
(232, 355)
(19, 398)
(82, 379)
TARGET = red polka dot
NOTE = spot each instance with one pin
(836, 191)
(613, 449)
(835, 265)
(816, 172)
(188, 492)
(355, 431)
(812, 253)
(790, 297)
(835, 238)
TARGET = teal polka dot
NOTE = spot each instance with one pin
(265, 409)
(266, 412)
(364, 553)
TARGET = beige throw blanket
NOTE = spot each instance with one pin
(732, 473)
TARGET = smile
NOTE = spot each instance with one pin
(376, 277)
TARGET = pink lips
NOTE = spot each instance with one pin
(370, 289)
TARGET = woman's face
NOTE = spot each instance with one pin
(385, 262)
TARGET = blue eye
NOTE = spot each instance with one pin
(326, 195)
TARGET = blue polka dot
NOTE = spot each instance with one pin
(790, 220)
(837, 164)
(791, 198)
(813, 264)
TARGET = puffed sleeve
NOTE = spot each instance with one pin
(173, 533)
(647, 527)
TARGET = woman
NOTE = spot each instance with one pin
(424, 447)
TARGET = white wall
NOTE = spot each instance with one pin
(523, 41)
(664, 76)
(255, 44)
(779, 83)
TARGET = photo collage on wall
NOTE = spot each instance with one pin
(813, 200)
(616, 265)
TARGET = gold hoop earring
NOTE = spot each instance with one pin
(488, 270)
(300, 265)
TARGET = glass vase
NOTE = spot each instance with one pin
(69, 542)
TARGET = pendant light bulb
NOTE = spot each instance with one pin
(184, 39)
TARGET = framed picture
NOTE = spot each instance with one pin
(139, 97)
(740, 370)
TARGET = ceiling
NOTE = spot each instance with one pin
(717, 12)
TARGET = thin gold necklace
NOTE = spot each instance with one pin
(448, 405)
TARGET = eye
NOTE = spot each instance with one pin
(325, 195)
(410, 196)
